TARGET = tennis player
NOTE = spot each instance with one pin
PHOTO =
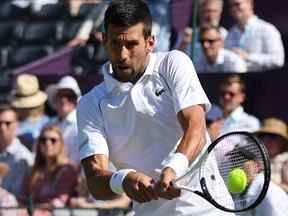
(148, 114)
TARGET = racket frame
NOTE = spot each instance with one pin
(199, 165)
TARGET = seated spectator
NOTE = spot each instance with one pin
(275, 202)
(54, 178)
(13, 152)
(284, 176)
(65, 96)
(232, 96)
(29, 103)
(214, 121)
(161, 25)
(274, 135)
(92, 25)
(214, 57)
(209, 15)
(7, 200)
(35, 5)
(253, 39)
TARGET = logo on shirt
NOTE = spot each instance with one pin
(158, 92)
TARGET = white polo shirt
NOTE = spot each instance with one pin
(137, 125)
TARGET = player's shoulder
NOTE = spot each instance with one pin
(93, 96)
(173, 57)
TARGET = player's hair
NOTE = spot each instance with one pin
(126, 13)
(234, 78)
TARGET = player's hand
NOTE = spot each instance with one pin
(139, 187)
(164, 187)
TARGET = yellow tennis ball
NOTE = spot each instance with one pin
(237, 180)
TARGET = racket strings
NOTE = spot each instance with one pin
(236, 152)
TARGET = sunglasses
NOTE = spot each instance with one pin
(44, 140)
(231, 94)
(6, 123)
(210, 41)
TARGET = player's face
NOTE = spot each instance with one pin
(211, 43)
(231, 97)
(128, 51)
(210, 14)
(240, 9)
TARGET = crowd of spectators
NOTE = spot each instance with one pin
(39, 158)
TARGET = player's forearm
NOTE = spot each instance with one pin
(98, 185)
(98, 177)
(193, 138)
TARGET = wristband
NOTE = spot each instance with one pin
(178, 162)
(117, 179)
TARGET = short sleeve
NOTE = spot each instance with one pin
(183, 81)
(91, 135)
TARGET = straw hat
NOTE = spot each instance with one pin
(27, 93)
(274, 126)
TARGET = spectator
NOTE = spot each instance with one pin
(253, 39)
(209, 15)
(232, 96)
(284, 176)
(214, 121)
(65, 96)
(13, 152)
(274, 135)
(7, 200)
(161, 26)
(275, 202)
(92, 25)
(36, 5)
(29, 103)
(53, 178)
(214, 57)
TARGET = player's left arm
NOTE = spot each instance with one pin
(192, 120)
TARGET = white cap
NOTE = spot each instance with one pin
(69, 82)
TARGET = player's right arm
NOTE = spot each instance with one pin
(136, 185)
(98, 176)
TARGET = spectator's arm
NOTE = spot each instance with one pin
(273, 53)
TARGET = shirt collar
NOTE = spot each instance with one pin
(251, 21)
(237, 113)
(112, 83)
(71, 117)
(220, 57)
(13, 147)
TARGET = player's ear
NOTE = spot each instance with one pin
(150, 43)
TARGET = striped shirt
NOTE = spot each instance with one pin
(261, 40)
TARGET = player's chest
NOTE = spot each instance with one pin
(151, 97)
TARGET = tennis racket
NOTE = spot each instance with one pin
(235, 150)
